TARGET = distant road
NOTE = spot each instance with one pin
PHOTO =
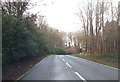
(66, 67)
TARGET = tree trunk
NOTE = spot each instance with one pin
(103, 37)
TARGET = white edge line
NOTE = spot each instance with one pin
(80, 76)
(104, 65)
(108, 66)
(69, 65)
(99, 63)
(25, 73)
(36, 64)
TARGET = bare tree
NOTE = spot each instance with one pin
(15, 7)
(95, 19)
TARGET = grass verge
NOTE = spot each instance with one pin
(107, 59)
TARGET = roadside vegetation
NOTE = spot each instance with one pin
(99, 31)
(24, 40)
(99, 35)
(27, 36)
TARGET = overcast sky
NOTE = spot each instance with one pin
(60, 14)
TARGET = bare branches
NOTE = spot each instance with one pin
(15, 7)
(93, 18)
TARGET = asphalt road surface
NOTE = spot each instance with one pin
(66, 67)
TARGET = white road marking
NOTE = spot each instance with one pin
(63, 59)
(68, 64)
(25, 73)
(80, 76)
(100, 64)
(108, 66)
(37, 64)
(96, 63)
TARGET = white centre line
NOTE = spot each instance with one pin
(63, 59)
(75, 72)
(80, 76)
(68, 64)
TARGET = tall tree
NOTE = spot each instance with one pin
(14, 7)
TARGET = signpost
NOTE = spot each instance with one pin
(83, 49)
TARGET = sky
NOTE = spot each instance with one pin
(60, 14)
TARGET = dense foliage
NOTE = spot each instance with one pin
(18, 40)
(21, 40)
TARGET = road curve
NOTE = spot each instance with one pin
(66, 67)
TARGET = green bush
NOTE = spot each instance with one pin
(60, 50)
(20, 39)
(50, 49)
(13, 38)
(55, 50)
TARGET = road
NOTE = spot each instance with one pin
(66, 67)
